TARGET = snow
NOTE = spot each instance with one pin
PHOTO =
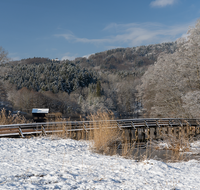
(195, 146)
(47, 163)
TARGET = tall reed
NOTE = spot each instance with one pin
(104, 134)
(8, 118)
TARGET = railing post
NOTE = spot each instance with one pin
(43, 130)
(134, 128)
(84, 127)
(20, 132)
(148, 130)
(148, 133)
(180, 130)
(197, 126)
(119, 126)
(159, 130)
(143, 134)
(155, 132)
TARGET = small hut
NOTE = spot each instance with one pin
(39, 114)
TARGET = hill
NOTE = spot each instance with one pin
(126, 58)
(105, 80)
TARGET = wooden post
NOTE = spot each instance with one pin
(20, 132)
(143, 134)
(84, 132)
(155, 132)
(136, 134)
(172, 130)
(148, 133)
(198, 127)
(65, 133)
(180, 132)
(190, 133)
(130, 136)
(160, 132)
(43, 130)
(185, 131)
(197, 130)
(167, 131)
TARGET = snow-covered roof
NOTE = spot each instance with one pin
(40, 110)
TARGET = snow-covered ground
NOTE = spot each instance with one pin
(46, 163)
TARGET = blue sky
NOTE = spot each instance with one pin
(67, 29)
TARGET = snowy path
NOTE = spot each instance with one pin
(43, 163)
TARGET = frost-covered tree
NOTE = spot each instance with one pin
(170, 85)
(3, 56)
(50, 76)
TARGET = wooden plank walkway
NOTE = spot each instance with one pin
(136, 128)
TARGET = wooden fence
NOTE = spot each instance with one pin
(133, 129)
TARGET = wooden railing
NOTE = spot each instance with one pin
(137, 127)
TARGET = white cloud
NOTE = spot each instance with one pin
(162, 3)
(68, 56)
(83, 40)
(133, 34)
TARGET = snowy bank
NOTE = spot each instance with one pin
(44, 163)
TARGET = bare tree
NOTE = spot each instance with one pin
(3, 56)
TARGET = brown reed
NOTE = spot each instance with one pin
(11, 119)
(104, 135)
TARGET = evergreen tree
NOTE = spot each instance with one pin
(98, 88)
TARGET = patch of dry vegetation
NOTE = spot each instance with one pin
(177, 146)
(104, 134)
(11, 119)
(107, 139)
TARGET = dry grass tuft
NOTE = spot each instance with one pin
(127, 150)
(177, 147)
(104, 135)
(176, 144)
(108, 140)
(11, 119)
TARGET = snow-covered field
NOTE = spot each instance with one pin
(46, 163)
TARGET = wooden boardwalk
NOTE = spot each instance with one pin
(133, 129)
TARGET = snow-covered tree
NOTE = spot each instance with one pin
(170, 85)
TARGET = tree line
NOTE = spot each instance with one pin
(50, 76)
(123, 80)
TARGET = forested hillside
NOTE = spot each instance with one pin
(50, 76)
(105, 80)
(121, 59)
(171, 87)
